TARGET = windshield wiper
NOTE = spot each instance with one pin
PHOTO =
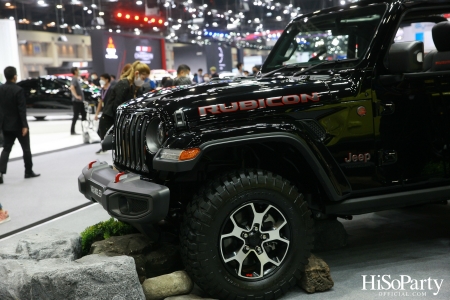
(316, 65)
(282, 68)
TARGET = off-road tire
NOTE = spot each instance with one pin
(205, 216)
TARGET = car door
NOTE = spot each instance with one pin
(31, 91)
(55, 95)
(413, 116)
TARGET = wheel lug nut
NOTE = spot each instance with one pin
(247, 248)
(264, 237)
(255, 228)
(258, 249)
(245, 235)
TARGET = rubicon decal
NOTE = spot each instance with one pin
(260, 103)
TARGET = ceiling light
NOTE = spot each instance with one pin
(138, 2)
(118, 30)
(85, 8)
(101, 13)
(7, 4)
(110, 30)
(98, 27)
(93, 6)
(11, 18)
(41, 2)
(89, 11)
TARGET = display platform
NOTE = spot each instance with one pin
(55, 191)
(52, 133)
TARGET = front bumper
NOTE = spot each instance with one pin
(130, 199)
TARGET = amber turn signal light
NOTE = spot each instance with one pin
(189, 154)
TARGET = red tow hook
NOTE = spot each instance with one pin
(90, 164)
(118, 175)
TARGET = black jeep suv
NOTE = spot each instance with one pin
(350, 115)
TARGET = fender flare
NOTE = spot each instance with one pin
(330, 184)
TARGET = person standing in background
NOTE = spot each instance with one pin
(94, 79)
(199, 77)
(240, 72)
(105, 83)
(126, 89)
(13, 122)
(255, 70)
(214, 72)
(77, 100)
(183, 78)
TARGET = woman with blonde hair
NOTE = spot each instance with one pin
(127, 88)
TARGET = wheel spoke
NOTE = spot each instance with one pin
(265, 259)
(274, 235)
(237, 231)
(240, 256)
(258, 218)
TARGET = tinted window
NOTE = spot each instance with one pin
(50, 85)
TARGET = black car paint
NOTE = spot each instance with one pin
(341, 91)
(51, 95)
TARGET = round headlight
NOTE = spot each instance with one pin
(155, 135)
(160, 133)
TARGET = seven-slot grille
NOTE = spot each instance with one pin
(130, 140)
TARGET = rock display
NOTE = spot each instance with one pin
(52, 243)
(91, 277)
(329, 234)
(316, 277)
(151, 259)
(46, 266)
(177, 283)
(134, 245)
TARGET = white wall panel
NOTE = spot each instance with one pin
(9, 49)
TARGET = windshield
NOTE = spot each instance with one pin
(344, 35)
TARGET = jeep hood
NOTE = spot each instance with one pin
(218, 100)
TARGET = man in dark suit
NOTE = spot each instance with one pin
(107, 87)
(13, 122)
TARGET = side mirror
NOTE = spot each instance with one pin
(406, 57)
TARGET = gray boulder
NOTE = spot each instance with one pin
(134, 245)
(16, 276)
(92, 277)
(151, 259)
(316, 277)
(51, 243)
(177, 283)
